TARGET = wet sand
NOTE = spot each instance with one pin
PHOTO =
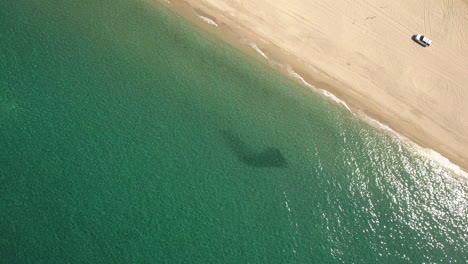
(363, 53)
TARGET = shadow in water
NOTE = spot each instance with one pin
(268, 157)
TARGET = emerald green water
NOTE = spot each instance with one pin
(128, 136)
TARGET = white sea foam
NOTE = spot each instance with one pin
(381, 126)
(294, 74)
(442, 161)
(208, 21)
(427, 153)
(422, 151)
(334, 98)
(324, 92)
(259, 51)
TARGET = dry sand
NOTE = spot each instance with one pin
(362, 51)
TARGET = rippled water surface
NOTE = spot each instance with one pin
(128, 136)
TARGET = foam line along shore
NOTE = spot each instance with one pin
(397, 96)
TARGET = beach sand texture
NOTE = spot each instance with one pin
(362, 51)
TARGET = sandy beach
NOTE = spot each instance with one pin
(362, 52)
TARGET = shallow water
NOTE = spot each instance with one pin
(129, 136)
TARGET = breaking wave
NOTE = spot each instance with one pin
(433, 156)
(427, 153)
(208, 21)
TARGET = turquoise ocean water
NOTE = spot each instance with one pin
(128, 136)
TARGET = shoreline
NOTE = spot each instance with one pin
(226, 27)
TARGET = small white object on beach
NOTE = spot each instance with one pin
(422, 40)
